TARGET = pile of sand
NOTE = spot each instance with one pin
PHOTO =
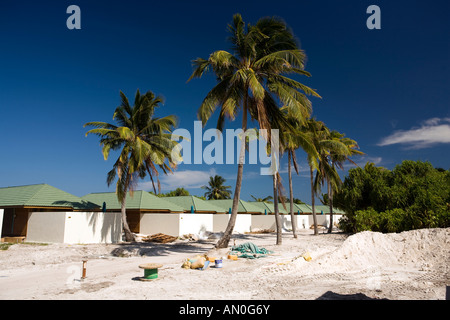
(424, 249)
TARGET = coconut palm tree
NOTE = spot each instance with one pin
(144, 143)
(332, 158)
(267, 199)
(253, 78)
(317, 131)
(330, 145)
(292, 139)
(216, 190)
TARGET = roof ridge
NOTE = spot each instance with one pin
(140, 199)
(193, 202)
(98, 192)
(25, 185)
(37, 191)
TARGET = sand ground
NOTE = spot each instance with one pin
(410, 265)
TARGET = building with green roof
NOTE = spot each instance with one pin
(298, 208)
(243, 207)
(262, 206)
(19, 201)
(268, 208)
(138, 203)
(42, 196)
(138, 200)
(322, 209)
(193, 204)
(303, 208)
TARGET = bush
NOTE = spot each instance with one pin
(413, 195)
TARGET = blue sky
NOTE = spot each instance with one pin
(388, 89)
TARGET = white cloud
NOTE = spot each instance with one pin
(361, 161)
(185, 179)
(431, 132)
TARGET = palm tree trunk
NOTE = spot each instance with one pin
(330, 202)
(291, 198)
(223, 242)
(277, 213)
(316, 232)
(129, 236)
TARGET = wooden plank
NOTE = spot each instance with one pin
(13, 239)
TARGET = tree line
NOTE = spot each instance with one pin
(411, 196)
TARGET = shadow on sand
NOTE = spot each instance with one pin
(159, 249)
(128, 249)
(330, 295)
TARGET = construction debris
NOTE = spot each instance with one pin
(307, 256)
(200, 262)
(159, 238)
(249, 250)
(189, 236)
(319, 226)
(260, 231)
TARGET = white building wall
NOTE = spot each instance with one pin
(336, 218)
(93, 227)
(243, 222)
(1, 220)
(195, 223)
(46, 227)
(176, 224)
(220, 222)
(324, 219)
(74, 227)
(321, 220)
(167, 223)
(263, 222)
(302, 221)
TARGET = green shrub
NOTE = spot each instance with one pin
(413, 195)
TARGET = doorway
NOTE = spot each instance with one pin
(15, 222)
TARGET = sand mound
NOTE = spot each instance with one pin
(423, 249)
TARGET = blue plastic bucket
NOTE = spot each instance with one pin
(218, 263)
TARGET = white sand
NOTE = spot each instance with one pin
(408, 265)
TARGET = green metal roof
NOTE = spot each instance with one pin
(262, 206)
(303, 208)
(243, 207)
(326, 209)
(42, 195)
(280, 207)
(186, 202)
(269, 207)
(141, 200)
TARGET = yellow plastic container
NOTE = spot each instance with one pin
(307, 257)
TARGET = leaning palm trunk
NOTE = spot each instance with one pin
(275, 205)
(313, 202)
(330, 200)
(291, 198)
(129, 236)
(223, 242)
